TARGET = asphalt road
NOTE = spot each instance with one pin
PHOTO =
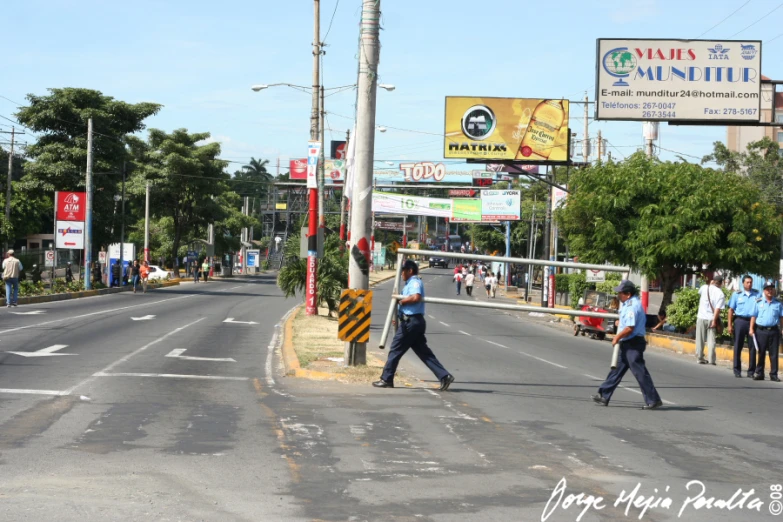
(139, 432)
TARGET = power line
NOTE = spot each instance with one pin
(757, 21)
(773, 39)
(716, 25)
(330, 22)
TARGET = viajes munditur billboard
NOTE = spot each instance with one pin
(669, 80)
(522, 129)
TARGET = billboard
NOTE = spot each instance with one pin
(466, 211)
(71, 206)
(513, 168)
(386, 203)
(422, 172)
(334, 171)
(523, 129)
(500, 205)
(297, 168)
(396, 226)
(70, 234)
(313, 151)
(671, 80)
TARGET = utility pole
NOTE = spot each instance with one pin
(343, 196)
(147, 225)
(586, 146)
(8, 186)
(88, 213)
(321, 181)
(650, 130)
(311, 289)
(547, 233)
(361, 222)
(122, 222)
(600, 147)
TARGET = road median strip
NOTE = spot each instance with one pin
(50, 298)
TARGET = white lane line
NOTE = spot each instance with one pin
(496, 344)
(444, 324)
(544, 360)
(128, 357)
(234, 287)
(430, 316)
(172, 376)
(95, 313)
(177, 354)
(465, 333)
(33, 392)
(630, 389)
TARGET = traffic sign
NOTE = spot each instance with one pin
(49, 259)
(595, 276)
(354, 318)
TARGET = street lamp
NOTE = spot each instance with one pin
(381, 128)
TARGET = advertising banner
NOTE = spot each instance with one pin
(253, 259)
(462, 193)
(128, 251)
(671, 80)
(297, 168)
(521, 129)
(595, 276)
(512, 168)
(500, 205)
(338, 150)
(385, 203)
(558, 198)
(70, 234)
(423, 172)
(394, 225)
(71, 206)
(334, 171)
(313, 151)
(466, 211)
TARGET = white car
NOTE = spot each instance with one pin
(157, 272)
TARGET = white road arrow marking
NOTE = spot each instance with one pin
(32, 312)
(145, 318)
(179, 351)
(231, 320)
(45, 352)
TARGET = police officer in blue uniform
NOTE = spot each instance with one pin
(630, 335)
(741, 307)
(765, 324)
(410, 332)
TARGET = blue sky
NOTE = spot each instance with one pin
(200, 58)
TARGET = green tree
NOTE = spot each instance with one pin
(667, 219)
(188, 185)
(59, 157)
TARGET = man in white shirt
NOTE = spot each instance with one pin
(469, 283)
(711, 302)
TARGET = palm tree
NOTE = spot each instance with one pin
(253, 181)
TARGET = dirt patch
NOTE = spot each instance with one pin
(321, 352)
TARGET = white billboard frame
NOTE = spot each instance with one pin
(666, 108)
(61, 241)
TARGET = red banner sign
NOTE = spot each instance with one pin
(298, 168)
(71, 206)
(462, 193)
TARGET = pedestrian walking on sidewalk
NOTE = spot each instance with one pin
(68, 273)
(195, 272)
(458, 278)
(205, 270)
(711, 302)
(632, 345)
(12, 267)
(741, 306)
(765, 324)
(410, 332)
(135, 275)
(469, 280)
(488, 284)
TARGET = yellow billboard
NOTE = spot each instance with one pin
(521, 129)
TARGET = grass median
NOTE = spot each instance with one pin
(321, 352)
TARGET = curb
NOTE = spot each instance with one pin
(688, 347)
(290, 359)
(51, 298)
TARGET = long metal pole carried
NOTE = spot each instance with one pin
(393, 304)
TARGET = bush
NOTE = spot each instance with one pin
(576, 288)
(612, 279)
(265, 264)
(683, 311)
(562, 282)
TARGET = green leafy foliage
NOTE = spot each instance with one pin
(663, 218)
(682, 313)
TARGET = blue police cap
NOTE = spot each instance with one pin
(410, 264)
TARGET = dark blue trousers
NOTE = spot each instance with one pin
(769, 343)
(631, 358)
(410, 334)
(459, 286)
(741, 335)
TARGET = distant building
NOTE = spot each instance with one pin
(738, 137)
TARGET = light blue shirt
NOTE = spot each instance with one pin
(413, 285)
(743, 302)
(767, 313)
(632, 314)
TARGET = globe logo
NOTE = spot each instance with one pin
(619, 63)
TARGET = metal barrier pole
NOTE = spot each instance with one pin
(393, 304)
(615, 355)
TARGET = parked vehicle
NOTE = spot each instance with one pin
(157, 272)
(438, 261)
(595, 326)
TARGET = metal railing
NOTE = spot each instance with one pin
(403, 252)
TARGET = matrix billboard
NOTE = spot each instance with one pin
(522, 129)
